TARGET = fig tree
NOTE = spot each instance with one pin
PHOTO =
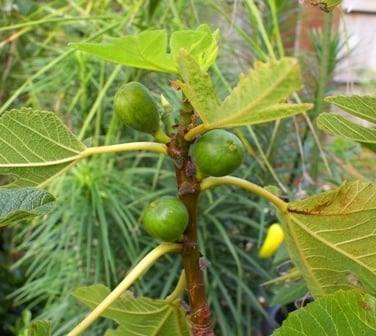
(166, 218)
(217, 153)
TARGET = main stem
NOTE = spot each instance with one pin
(189, 190)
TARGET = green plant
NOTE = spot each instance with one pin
(174, 152)
(304, 221)
(42, 72)
(93, 213)
(298, 214)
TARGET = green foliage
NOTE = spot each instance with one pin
(138, 315)
(93, 228)
(335, 229)
(35, 146)
(343, 313)
(148, 50)
(273, 81)
(93, 235)
(363, 107)
(256, 98)
(105, 251)
(15, 319)
(18, 204)
(40, 328)
(288, 292)
(27, 159)
(41, 72)
(197, 86)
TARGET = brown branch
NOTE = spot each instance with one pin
(189, 190)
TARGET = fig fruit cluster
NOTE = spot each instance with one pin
(217, 153)
(166, 218)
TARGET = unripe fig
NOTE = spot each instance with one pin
(217, 153)
(135, 106)
(166, 218)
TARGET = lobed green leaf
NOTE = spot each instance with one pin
(151, 50)
(147, 50)
(35, 146)
(258, 97)
(363, 107)
(197, 86)
(337, 125)
(331, 237)
(200, 44)
(264, 86)
(344, 313)
(138, 316)
(17, 204)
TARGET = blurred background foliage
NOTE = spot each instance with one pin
(94, 233)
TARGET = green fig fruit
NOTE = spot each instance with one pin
(135, 106)
(217, 153)
(166, 218)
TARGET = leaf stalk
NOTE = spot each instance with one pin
(125, 147)
(211, 182)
